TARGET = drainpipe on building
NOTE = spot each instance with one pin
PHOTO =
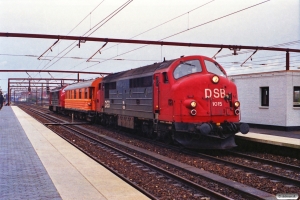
(287, 66)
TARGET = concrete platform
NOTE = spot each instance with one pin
(279, 138)
(37, 164)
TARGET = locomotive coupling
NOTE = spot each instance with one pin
(205, 128)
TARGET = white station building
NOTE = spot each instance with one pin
(270, 99)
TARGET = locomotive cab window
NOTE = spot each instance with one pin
(186, 68)
(165, 77)
(214, 68)
(296, 96)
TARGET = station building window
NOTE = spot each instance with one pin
(264, 96)
(296, 96)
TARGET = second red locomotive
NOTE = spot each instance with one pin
(188, 100)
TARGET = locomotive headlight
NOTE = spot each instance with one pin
(215, 79)
(237, 104)
(193, 104)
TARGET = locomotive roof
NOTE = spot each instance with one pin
(57, 89)
(138, 72)
(84, 84)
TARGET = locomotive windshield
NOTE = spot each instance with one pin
(214, 68)
(186, 68)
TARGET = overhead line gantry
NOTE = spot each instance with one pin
(82, 39)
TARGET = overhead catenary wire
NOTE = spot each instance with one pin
(159, 25)
(103, 21)
(277, 45)
(73, 28)
(215, 19)
(86, 17)
(88, 60)
(224, 16)
(269, 58)
(111, 16)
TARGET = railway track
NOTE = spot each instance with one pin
(138, 172)
(198, 163)
(276, 172)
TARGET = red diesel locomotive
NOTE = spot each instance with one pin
(188, 100)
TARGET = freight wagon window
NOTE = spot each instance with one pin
(186, 68)
(91, 93)
(74, 94)
(79, 93)
(296, 98)
(264, 96)
(214, 68)
(86, 93)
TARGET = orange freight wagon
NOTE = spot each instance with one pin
(81, 98)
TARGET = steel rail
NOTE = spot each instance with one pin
(234, 188)
(149, 165)
(156, 168)
(164, 172)
(271, 162)
(271, 175)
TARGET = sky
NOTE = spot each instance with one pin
(232, 22)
